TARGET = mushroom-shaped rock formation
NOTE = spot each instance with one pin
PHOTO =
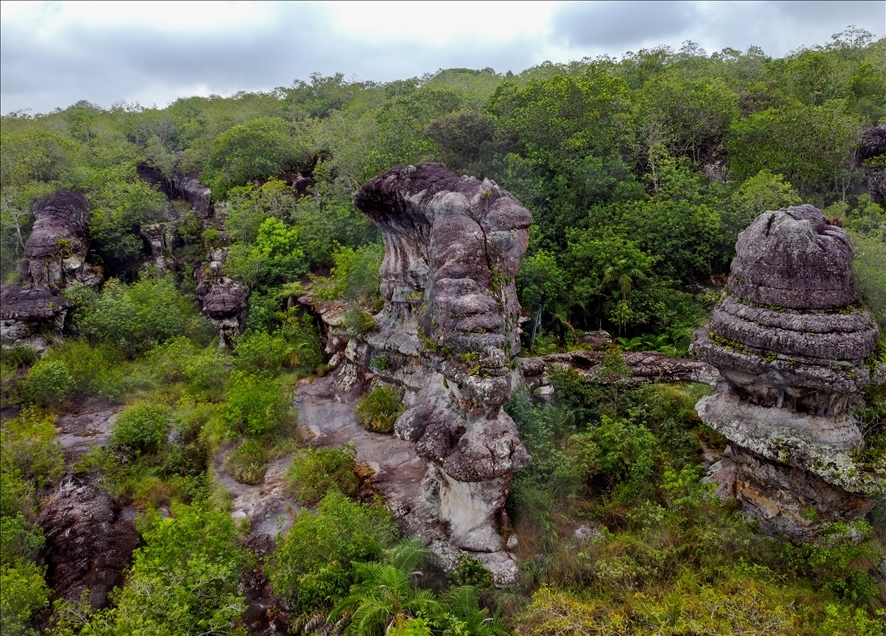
(793, 348)
(448, 334)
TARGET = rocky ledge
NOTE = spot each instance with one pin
(794, 349)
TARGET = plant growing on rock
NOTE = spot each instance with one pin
(379, 409)
(142, 427)
(256, 404)
(315, 473)
(248, 462)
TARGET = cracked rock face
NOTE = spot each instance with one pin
(56, 248)
(449, 334)
(33, 313)
(792, 347)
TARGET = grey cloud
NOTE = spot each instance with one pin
(777, 27)
(622, 25)
(108, 65)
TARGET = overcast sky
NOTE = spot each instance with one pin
(56, 53)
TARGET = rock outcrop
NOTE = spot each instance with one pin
(448, 336)
(56, 249)
(89, 541)
(223, 300)
(793, 348)
(33, 313)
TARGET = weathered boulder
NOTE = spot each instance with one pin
(793, 349)
(448, 335)
(225, 305)
(161, 239)
(31, 316)
(89, 541)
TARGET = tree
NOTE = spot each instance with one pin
(810, 145)
(255, 150)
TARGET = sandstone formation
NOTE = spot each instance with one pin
(448, 336)
(31, 316)
(56, 249)
(33, 313)
(89, 541)
(223, 300)
(793, 348)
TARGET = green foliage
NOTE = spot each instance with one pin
(142, 427)
(809, 145)
(30, 450)
(121, 204)
(49, 384)
(313, 564)
(760, 193)
(30, 460)
(355, 277)
(99, 371)
(23, 591)
(314, 473)
(379, 409)
(471, 572)
(256, 404)
(248, 462)
(257, 149)
(138, 317)
(184, 580)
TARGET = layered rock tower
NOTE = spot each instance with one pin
(32, 314)
(448, 335)
(794, 349)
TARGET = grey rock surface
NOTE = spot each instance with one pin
(794, 258)
(447, 336)
(793, 349)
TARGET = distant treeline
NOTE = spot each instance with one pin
(639, 171)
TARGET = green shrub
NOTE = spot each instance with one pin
(138, 317)
(355, 276)
(29, 447)
(98, 370)
(142, 426)
(313, 564)
(206, 372)
(256, 404)
(50, 384)
(248, 462)
(22, 592)
(260, 352)
(183, 581)
(18, 356)
(379, 409)
(315, 473)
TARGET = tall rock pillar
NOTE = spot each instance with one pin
(794, 349)
(449, 335)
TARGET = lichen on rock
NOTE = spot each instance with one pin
(449, 335)
(793, 346)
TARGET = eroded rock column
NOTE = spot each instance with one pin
(793, 347)
(448, 335)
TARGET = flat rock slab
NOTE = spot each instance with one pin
(331, 420)
(266, 505)
(85, 427)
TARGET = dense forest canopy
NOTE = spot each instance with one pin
(639, 171)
